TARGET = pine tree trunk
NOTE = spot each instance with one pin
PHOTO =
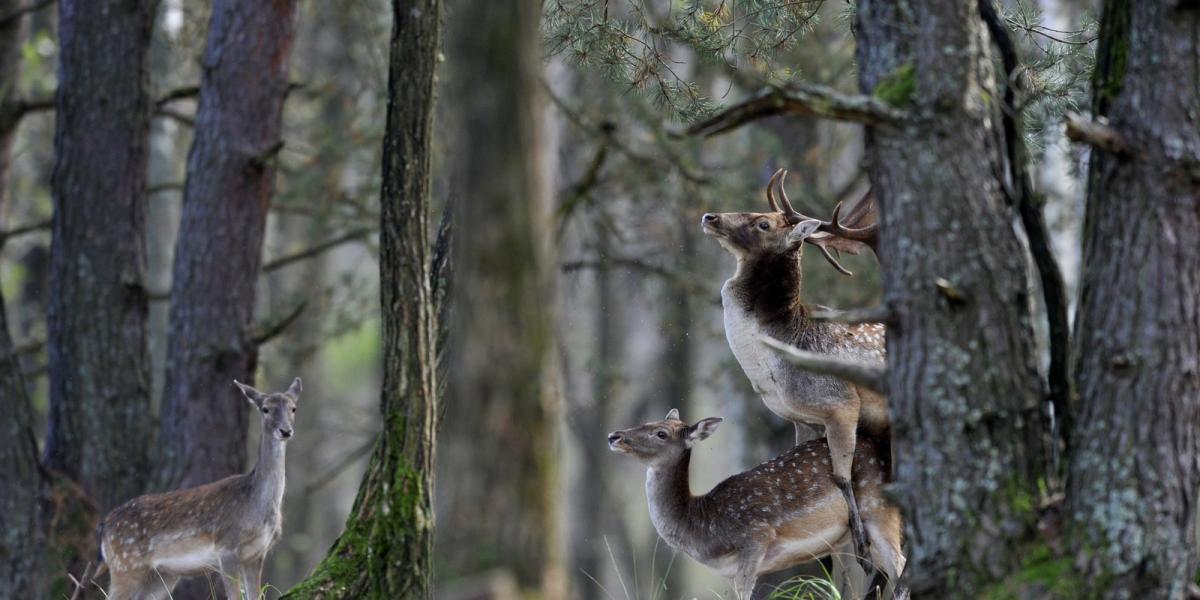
(969, 430)
(1135, 467)
(501, 396)
(385, 551)
(230, 179)
(100, 425)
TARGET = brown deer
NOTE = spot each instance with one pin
(226, 526)
(779, 514)
(763, 299)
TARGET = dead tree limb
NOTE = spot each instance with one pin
(870, 376)
(802, 99)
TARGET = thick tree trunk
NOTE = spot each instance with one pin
(231, 176)
(969, 431)
(100, 424)
(1135, 468)
(385, 551)
(501, 395)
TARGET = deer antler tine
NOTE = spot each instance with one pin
(833, 261)
(792, 215)
(867, 235)
(770, 190)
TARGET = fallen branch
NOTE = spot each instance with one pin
(801, 99)
(870, 376)
(1097, 134)
(321, 248)
(855, 316)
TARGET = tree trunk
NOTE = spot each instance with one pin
(100, 425)
(1135, 468)
(501, 396)
(231, 176)
(385, 551)
(22, 536)
(969, 431)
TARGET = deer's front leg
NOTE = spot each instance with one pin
(747, 573)
(252, 578)
(841, 433)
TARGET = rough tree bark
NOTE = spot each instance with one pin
(969, 430)
(1135, 468)
(385, 551)
(22, 536)
(230, 179)
(503, 299)
(100, 429)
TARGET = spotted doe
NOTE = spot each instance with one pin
(782, 513)
(763, 299)
(226, 526)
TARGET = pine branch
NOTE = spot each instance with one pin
(21, 11)
(318, 249)
(271, 329)
(1098, 134)
(802, 99)
(867, 375)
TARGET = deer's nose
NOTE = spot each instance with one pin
(286, 433)
(709, 219)
(615, 437)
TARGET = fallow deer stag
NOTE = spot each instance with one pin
(226, 526)
(779, 514)
(763, 298)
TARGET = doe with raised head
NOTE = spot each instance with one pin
(226, 526)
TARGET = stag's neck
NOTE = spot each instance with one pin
(267, 477)
(670, 497)
(768, 287)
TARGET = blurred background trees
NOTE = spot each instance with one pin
(586, 279)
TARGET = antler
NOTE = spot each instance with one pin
(793, 216)
(833, 236)
(770, 190)
(864, 211)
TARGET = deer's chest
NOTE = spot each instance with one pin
(761, 365)
(256, 541)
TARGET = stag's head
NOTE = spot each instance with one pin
(784, 230)
(661, 442)
(278, 409)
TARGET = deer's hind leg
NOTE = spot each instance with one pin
(841, 432)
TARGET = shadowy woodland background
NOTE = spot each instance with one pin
(527, 496)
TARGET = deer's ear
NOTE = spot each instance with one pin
(254, 396)
(701, 430)
(673, 415)
(296, 388)
(802, 230)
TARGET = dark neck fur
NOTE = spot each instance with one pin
(769, 287)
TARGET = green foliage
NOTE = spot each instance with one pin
(898, 87)
(1042, 574)
(1057, 68)
(640, 49)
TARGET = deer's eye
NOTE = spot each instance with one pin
(266, 411)
(662, 435)
(763, 225)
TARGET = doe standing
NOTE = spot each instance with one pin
(226, 526)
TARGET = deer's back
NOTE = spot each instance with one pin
(187, 531)
(791, 503)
